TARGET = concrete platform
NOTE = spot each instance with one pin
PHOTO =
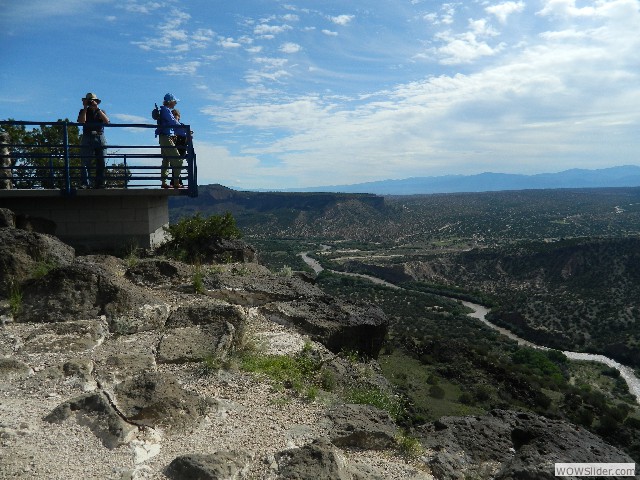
(111, 218)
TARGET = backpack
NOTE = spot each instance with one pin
(155, 114)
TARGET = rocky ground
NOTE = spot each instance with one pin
(129, 369)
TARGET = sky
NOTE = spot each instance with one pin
(308, 93)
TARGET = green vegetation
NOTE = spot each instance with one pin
(191, 237)
(377, 397)
(39, 156)
(43, 267)
(409, 446)
(302, 373)
(281, 254)
(15, 299)
(198, 280)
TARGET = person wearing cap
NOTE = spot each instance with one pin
(93, 141)
(166, 136)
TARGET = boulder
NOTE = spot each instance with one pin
(206, 312)
(118, 367)
(336, 324)
(254, 285)
(80, 291)
(361, 426)
(224, 250)
(511, 446)
(195, 344)
(316, 460)
(10, 367)
(72, 336)
(96, 411)
(201, 329)
(21, 253)
(157, 272)
(156, 399)
(228, 465)
(7, 218)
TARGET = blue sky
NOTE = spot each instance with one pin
(309, 93)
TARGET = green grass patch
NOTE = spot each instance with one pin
(417, 386)
(299, 372)
(377, 397)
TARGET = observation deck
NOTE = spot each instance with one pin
(40, 177)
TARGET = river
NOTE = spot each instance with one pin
(480, 312)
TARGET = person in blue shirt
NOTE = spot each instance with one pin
(166, 135)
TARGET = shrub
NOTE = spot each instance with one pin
(436, 391)
(432, 380)
(190, 237)
(15, 298)
(409, 447)
(466, 398)
(43, 267)
(482, 393)
(198, 280)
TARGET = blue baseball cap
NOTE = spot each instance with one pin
(170, 98)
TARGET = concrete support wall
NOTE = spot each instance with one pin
(97, 218)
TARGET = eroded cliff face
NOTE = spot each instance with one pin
(113, 368)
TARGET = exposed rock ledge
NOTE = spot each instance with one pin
(100, 377)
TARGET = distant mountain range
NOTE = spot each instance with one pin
(623, 176)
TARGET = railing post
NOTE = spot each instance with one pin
(6, 181)
(67, 175)
(125, 173)
(192, 168)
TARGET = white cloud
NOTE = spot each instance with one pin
(16, 11)
(224, 167)
(271, 62)
(172, 36)
(503, 10)
(202, 35)
(229, 43)
(482, 28)
(463, 48)
(126, 118)
(269, 31)
(139, 7)
(342, 19)
(330, 33)
(187, 68)
(290, 47)
(565, 8)
(256, 76)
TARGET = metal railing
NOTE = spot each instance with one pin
(57, 164)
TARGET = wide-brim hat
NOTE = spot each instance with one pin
(92, 96)
(169, 97)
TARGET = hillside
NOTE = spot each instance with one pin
(420, 221)
(578, 295)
